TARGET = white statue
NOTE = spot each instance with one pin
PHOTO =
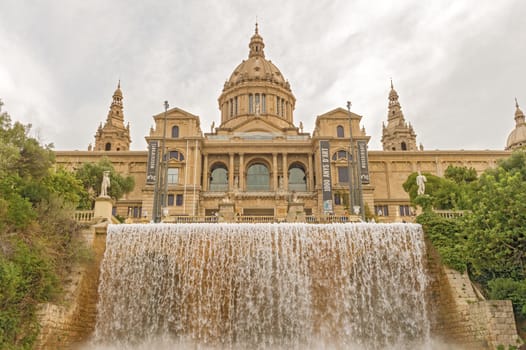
(421, 183)
(212, 127)
(236, 182)
(105, 184)
(280, 184)
(301, 127)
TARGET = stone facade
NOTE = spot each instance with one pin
(258, 157)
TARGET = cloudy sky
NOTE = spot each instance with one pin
(457, 65)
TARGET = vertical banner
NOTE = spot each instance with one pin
(363, 161)
(153, 161)
(326, 182)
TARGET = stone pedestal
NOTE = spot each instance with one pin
(103, 208)
(226, 212)
(296, 212)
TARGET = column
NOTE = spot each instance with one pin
(241, 172)
(231, 171)
(206, 175)
(285, 172)
(311, 174)
(275, 171)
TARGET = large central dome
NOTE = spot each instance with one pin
(256, 67)
(256, 89)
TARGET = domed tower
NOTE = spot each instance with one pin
(256, 90)
(114, 136)
(517, 138)
(398, 135)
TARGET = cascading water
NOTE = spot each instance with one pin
(276, 286)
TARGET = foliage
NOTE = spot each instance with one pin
(90, 175)
(38, 238)
(490, 240)
(453, 191)
(448, 238)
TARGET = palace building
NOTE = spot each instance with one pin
(259, 161)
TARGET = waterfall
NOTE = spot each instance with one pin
(264, 286)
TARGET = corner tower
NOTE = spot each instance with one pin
(114, 136)
(517, 138)
(256, 90)
(398, 135)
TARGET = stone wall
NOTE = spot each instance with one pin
(72, 322)
(461, 316)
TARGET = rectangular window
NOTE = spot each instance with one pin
(404, 210)
(343, 174)
(179, 200)
(250, 103)
(337, 199)
(263, 104)
(235, 105)
(277, 105)
(173, 176)
(170, 200)
(381, 210)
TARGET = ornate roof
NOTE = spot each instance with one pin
(256, 67)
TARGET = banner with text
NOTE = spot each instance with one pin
(363, 160)
(153, 161)
(326, 181)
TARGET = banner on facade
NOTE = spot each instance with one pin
(326, 177)
(363, 161)
(153, 161)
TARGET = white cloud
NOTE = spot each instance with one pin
(456, 65)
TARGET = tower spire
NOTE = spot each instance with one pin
(256, 44)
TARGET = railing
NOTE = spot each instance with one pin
(450, 214)
(190, 219)
(255, 219)
(327, 219)
(83, 215)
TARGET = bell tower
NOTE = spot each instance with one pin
(114, 136)
(398, 135)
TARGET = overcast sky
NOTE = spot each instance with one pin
(457, 65)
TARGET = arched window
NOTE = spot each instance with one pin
(107, 147)
(258, 178)
(263, 103)
(175, 155)
(219, 178)
(403, 146)
(297, 178)
(175, 132)
(341, 154)
(339, 131)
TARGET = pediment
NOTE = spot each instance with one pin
(257, 125)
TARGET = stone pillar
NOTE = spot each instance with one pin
(310, 174)
(296, 212)
(226, 212)
(103, 208)
(285, 172)
(275, 171)
(231, 171)
(206, 174)
(241, 172)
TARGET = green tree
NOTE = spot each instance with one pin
(90, 175)
(38, 238)
(496, 227)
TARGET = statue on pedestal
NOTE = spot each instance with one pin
(421, 183)
(105, 184)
